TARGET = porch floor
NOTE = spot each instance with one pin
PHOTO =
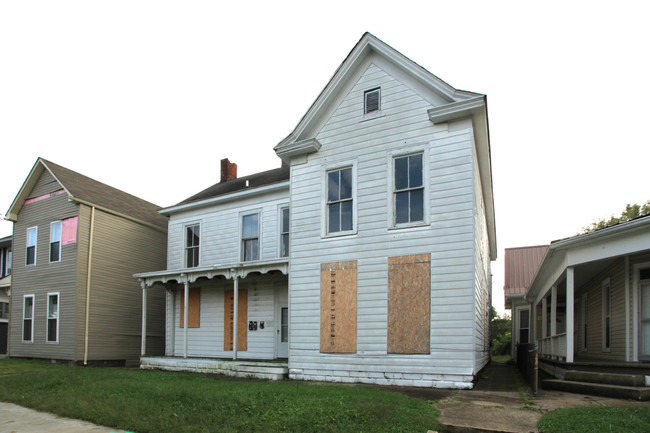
(273, 370)
(600, 365)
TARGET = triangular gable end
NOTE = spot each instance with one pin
(301, 140)
(25, 190)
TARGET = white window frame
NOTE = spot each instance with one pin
(426, 199)
(519, 328)
(241, 234)
(27, 246)
(324, 202)
(31, 337)
(56, 317)
(372, 114)
(52, 241)
(185, 247)
(606, 311)
(281, 209)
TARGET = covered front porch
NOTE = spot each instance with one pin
(590, 299)
(230, 320)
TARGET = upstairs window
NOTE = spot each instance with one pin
(250, 237)
(30, 254)
(284, 232)
(28, 317)
(408, 189)
(339, 200)
(371, 100)
(53, 318)
(192, 245)
(55, 241)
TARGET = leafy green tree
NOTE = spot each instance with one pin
(631, 212)
(501, 334)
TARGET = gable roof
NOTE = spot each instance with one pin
(255, 183)
(83, 189)
(460, 104)
(521, 265)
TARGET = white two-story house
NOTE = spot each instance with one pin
(365, 259)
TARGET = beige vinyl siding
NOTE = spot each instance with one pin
(120, 249)
(45, 277)
(616, 273)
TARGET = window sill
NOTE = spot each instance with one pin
(406, 226)
(339, 234)
(371, 116)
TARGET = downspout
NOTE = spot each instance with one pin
(88, 272)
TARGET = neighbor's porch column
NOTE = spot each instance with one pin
(553, 311)
(235, 307)
(569, 314)
(186, 298)
(143, 348)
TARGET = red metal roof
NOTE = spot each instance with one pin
(521, 265)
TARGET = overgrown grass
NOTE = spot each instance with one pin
(153, 401)
(501, 358)
(597, 419)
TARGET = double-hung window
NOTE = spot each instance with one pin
(28, 318)
(408, 189)
(284, 232)
(55, 241)
(30, 253)
(52, 317)
(250, 237)
(192, 245)
(339, 200)
(607, 313)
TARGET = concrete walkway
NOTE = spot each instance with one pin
(18, 419)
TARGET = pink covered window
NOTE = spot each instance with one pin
(69, 232)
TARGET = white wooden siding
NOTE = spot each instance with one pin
(449, 238)
(208, 339)
(220, 230)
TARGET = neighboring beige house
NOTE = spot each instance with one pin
(5, 291)
(365, 259)
(585, 301)
(76, 244)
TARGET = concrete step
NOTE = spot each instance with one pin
(600, 389)
(606, 378)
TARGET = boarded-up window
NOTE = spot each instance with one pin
(242, 319)
(409, 303)
(193, 308)
(69, 235)
(338, 307)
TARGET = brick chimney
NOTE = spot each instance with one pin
(228, 170)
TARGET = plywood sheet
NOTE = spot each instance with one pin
(193, 308)
(338, 307)
(409, 304)
(242, 319)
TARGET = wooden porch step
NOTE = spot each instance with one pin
(600, 389)
(634, 380)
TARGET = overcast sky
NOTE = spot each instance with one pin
(148, 96)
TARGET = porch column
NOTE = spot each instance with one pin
(235, 314)
(544, 318)
(533, 324)
(569, 314)
(186, 298)
(553, 311)
(143, 349)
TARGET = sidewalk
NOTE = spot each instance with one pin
(17, 419)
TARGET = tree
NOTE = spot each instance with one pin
(501, 334)
(631, 212)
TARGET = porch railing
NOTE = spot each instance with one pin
(553, 347)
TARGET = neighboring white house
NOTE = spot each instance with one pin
(365, 259)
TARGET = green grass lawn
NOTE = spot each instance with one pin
(597, 419)
(154, 401)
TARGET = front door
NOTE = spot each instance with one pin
(644, 317)
(282, 327)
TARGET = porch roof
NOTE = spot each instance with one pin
(619, 240)
(229, 271)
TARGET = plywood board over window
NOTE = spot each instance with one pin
(242, 319)
(193, 308)
(409, 304)
(338, 307)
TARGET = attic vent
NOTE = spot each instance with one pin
(371, 100)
